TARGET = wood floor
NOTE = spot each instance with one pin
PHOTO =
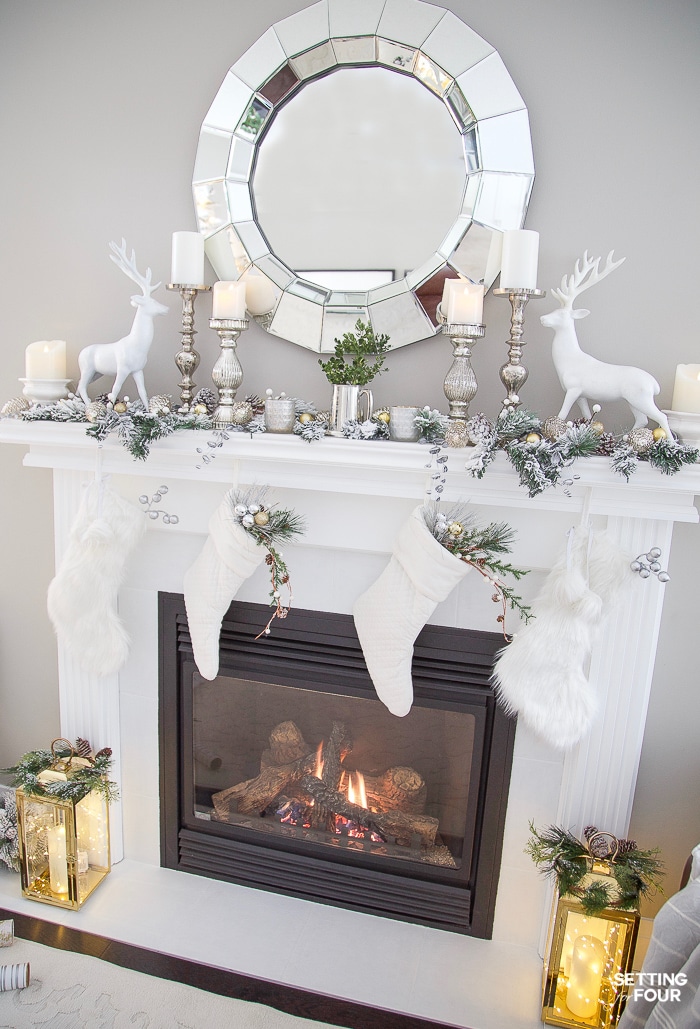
(228, 984)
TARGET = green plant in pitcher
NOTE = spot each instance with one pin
(358, 356)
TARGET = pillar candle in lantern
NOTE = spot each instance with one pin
(229, 300)
(465, 304)
(686, 389)
(45, 359)
(58, 866)
(519, 260)
(187, 259)
(586, 978)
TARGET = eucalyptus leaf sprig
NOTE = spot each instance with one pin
(271, 528)
(482, 547)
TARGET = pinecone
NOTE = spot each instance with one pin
(625, 846)
(82, 747)
(105, 752)
(207, 397)
(480, 429)
(606, 444)
(160, 404)
(256, 403)
(13, 408)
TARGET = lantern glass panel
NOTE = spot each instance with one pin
(588, 954)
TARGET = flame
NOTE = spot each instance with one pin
(319, 761)
(356, 789)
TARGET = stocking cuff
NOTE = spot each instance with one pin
(432, 569)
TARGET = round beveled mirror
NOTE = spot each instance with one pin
(353, 157)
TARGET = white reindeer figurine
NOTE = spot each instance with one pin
(583, 377)
(128, 355)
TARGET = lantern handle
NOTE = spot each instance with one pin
(59, 758)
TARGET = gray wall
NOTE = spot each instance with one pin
(101, 108)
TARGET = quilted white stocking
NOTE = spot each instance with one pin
(541, 675)
(389, 615)
(229, 556)
(82, 598)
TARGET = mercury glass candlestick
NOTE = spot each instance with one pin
(187, 359)
(460, 382)
(227, 373)
(514, 374)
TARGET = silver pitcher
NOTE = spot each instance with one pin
(345, 407)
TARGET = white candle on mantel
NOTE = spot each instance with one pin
(465, 304)
(187, 259)
(519, 261)
(686, 389)
(228, 300)
(45, 359)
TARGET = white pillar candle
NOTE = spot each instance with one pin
(92, 829)
(45, 359)
(228, 300)
(259, 293)
(586, 979)
(519, 260)
(58, 870)
(465, 304)
(188, 259)
(446, 291)
(686, 389)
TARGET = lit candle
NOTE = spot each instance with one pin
(519, 260)
(188, 259)
(686, 389)
(259, 293)
(229, 300)
(465, 304)
(446, 291)
(45, 359)
(91, 830)
(58, 870)
(586, 979)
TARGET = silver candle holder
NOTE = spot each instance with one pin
(513, 374)
(460, 383)
(187, 359)
(227, 373)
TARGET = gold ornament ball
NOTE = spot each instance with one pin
(95, 411)
(261, 518)
(598, 428)
(242, 413)
(120, 407)
(305, 417)
(384, 416)
(160, 404)
(200, 409)
(553, 428)
(455, 528)
(533, 437)
(659, 433)
(456, 434)
(641, 440)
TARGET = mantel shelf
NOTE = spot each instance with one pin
(370, 468)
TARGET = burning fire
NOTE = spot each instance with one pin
(356, 789)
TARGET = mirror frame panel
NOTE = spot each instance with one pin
(409, 37)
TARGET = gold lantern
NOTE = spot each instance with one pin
(587, 962)
(64, 846)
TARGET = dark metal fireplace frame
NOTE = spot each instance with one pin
(451, 669)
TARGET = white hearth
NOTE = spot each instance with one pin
(355, 496)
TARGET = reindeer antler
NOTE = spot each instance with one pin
(585, 275)
(128, 266)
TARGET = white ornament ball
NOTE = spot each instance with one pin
(248, 520)
(240, 510)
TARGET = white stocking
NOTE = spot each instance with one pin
(82, 598)
(541, 674)
(229, 556)
(390, 614)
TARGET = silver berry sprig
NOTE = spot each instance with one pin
(649, 564)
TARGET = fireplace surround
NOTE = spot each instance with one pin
(437, 779)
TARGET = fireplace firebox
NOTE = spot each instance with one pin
(286, 772)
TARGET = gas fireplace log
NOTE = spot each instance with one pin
(388, 824)
(333, 752)
(255, 794)
(398, 789)
(287, 744)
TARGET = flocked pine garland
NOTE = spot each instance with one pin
(9, 833)
(568, 861)
(81, 778)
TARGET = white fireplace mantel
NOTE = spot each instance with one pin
(354, 496)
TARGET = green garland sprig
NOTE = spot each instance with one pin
(563, 858)
(482, 547)
(368, 351)
(80, 781)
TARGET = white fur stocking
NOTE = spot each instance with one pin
(229, 556)
(541, 674)
(82, 598)
(391, 613)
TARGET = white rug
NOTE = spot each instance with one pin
(72, 991)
